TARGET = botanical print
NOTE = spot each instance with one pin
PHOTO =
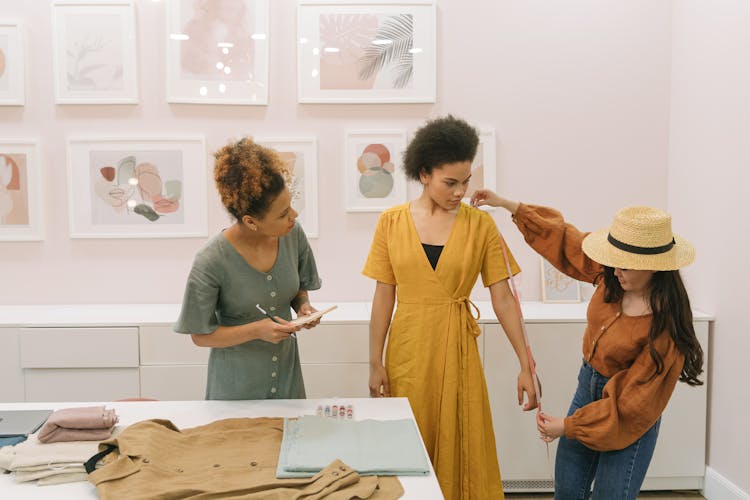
(219, 45)
(94, 52)
(294, 161)
(556, 286)
(376, 170)
(136, 187)
(14, 190)
(4, 72)
(366, 51)
(477, 172)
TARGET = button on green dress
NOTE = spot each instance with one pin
(222, 289)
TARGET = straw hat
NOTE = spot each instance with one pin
(639, 238)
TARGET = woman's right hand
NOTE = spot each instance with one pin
(380, 387)
(487, 197)
(275, 332)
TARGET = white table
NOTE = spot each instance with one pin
(186, 414)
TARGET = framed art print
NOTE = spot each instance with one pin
(483, 168)
(217, 51)
(300, 156)
(366, 52)
(20, 191)
(12, 64)
(372, 170)
(94, 52)
(557, 286)
(137, 187)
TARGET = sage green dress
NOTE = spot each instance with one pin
(223, 289)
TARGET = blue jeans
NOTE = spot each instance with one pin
(617, 475)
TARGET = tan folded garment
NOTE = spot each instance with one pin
(90, 423)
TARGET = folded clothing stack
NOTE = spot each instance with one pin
(370, 447)
(51, 463)
(90, 423)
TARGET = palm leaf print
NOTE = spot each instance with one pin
(396, 38)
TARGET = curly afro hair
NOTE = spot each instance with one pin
(438, 142)
(249, 177)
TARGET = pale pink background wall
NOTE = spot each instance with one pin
(578, 93)
(709, 175)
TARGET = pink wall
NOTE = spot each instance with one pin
(708, 184)
(578, 93)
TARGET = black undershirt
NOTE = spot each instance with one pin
(433, 253)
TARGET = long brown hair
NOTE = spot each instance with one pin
(671, 310)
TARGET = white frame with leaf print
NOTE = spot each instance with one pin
(232, 79)
(329, 67)
(112, 184)
(356, 164)
(486, 160)
(551, 279)
(12, 64)
(20, 191)
(103, 35)
(304, 200)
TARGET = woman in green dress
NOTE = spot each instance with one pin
(262, 263)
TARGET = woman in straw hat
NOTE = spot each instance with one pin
(639, 342)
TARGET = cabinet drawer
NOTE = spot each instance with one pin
(343, 380)
(81, 384)
(174, 383)
(347, 343)
(160, 345)
(79, 347)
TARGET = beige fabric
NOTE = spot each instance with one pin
(50, 463)
(232, 458)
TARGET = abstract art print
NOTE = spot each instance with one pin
(483, 168)
(12, 72)
(144, 188)
(94, 52)
(558, 287)
(373, 174)
(217, 51)
(300, 156)
(351, 52)
(20, 191)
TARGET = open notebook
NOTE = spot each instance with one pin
(21, 422)
(301, 320)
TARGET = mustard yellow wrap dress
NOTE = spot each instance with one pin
(432, 356)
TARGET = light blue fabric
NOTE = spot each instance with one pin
(371, 447)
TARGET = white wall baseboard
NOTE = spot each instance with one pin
(717, 487)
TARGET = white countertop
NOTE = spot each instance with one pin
(186, 414)
(166, 314)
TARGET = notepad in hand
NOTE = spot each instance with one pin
(303, 320)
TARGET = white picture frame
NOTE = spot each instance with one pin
(484, 166)
(217, 57)
(301, 157)
(373, 170)
(366, 51)
(95, 52)
(20, 191)
(137, 187)
(12, 64)
(557, 287)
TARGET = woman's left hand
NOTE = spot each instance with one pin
(550, 428)
(306, 309)
(526, 385)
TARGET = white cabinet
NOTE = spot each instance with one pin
(79, 364)
(679, 458)
(335, 360)
(11, 373)
(102, 353)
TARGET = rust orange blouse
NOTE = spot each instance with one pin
(614, 344)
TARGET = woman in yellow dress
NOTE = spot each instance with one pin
(431, 252)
